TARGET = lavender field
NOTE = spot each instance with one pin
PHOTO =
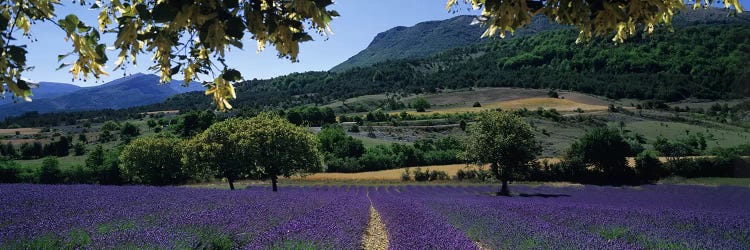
(415, 217)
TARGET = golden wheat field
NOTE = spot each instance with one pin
(533, 103)
(23, 131)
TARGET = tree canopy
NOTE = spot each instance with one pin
(191, 38)
(265, 146)
(503, 140)
(604, 149)
(153, 160)
(592, 18)
(280, 148)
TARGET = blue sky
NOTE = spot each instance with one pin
(360, 21)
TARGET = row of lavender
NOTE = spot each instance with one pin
(649, 217)
(96, 217)
(416, 217)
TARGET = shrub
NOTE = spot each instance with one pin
(648, 167)
(701, 167)
(427, 175)
(343, 165)
(405, 176)
(9, 171)
(421, 176)
(128, 131)
(605, 150)
(354, 128)
(79, 174)
(336, 143)
(110, 126)
(420, 104)
(477, 105)
(79, 149)
(153, 160)
(436, 175)
(50, 171)
(612, 108)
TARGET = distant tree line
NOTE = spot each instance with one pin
(231, 149)
(343, 153)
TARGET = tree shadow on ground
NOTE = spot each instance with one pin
(544, 195)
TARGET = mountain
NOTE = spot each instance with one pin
(134, 90)
(43, 91)
(426, 38)
(178, 86)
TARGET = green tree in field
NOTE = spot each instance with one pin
(263, 146)
(153, 160)
(105, 165)
(280, 148)
(334, 141)
(82, 138)
(503, 140)
(128, 131)
(420, 104)
(9, 151)
(106, 136)
(606, 150)
(110, 126)
(79, 148)
(195, 122)
(338, 148)
(151, 123)
(95, 158)
(50, 172)
(217, 152)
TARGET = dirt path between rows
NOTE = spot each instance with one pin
(376, 236)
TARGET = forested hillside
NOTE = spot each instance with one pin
(427, 38)
(707, 61)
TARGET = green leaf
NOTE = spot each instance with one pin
(82, 27)
(101, 52)
(143, 11)
(302, 37)
(232, 75)
(23, 85)
(235, 43)
(174, 70)
(60, 57)
(230, 4)
(4, 20)
(235, 27)
(17, 54)
(63, 65)
(70, 23)
(163, 13)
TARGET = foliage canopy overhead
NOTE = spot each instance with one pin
(592, 18)
(190, 37)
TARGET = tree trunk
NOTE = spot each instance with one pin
(273, 183)
(504, 191)
(231, 183)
